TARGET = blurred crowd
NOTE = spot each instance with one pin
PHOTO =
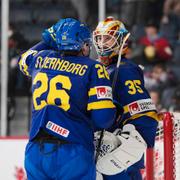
(154, 42)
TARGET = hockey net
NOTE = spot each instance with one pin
(163, 162)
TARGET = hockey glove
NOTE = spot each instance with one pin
(130, 150)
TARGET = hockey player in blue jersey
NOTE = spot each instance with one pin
(122, 151)
(72, 97)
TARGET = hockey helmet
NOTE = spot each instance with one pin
(107, 39)
(72, 35)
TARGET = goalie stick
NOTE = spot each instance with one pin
(119, 62)
(113, 87)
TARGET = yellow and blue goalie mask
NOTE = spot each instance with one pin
(107, 39)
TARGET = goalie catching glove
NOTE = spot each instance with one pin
(119, 150)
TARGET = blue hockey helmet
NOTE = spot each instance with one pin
(72, 35)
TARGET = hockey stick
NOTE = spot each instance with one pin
(119, 62)
(113, 88)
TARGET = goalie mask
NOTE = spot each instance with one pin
(107, 38)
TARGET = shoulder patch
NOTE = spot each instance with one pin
(104, 92)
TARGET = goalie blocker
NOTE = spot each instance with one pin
(119, 150)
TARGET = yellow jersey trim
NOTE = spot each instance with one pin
(100, 105)
(126, 109)
(151, 114)
(22, 62)
(92, 92)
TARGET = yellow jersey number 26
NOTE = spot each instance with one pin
(52, 92)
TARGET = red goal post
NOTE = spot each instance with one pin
(163, 161)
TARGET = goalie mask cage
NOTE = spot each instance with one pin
(163, 161)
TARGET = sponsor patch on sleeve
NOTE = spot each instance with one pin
(141, 106)
(104, 92)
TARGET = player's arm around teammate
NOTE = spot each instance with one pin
(71, 97)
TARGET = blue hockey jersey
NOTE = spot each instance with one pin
(71, 95)
(133, 99)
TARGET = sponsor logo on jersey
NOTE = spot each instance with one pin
(141, 106)
(104, 92)
(57, 129)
